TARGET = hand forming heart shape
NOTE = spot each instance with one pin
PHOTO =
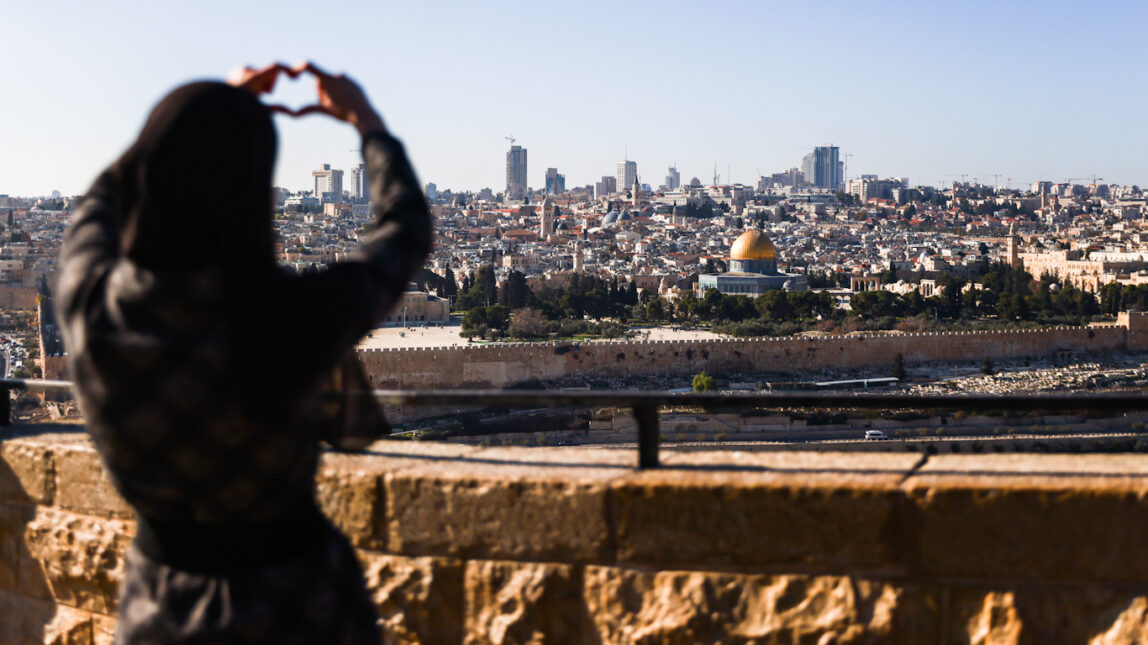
(339, 96)
(262, 81)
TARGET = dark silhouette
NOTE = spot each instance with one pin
(198, 364)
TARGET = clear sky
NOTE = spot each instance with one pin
(929, 90)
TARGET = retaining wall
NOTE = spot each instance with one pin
(462, 544)
(502, 365)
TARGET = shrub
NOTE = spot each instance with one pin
(703, 382)
(987, 366)
(940, 432)
(721, 436)
(954, 447)
(960, 415)
(899, 366)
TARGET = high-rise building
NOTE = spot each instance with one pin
(555, 183)
(516, 173)
(431, 190)
(328, 183)
(807, 167)
(627, 173)
(361, 189)
(826, 167)
(673, 179)
(608, 186)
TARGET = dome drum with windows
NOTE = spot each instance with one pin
(752, 269)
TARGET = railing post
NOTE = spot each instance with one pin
(648, 435)
(5, 406)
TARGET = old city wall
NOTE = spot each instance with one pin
(465, 544)
(506, 364)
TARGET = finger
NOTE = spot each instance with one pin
(281, 109)
(315, 69)
(316, 109)
(239, 75)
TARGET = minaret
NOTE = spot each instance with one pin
(1013, 252)
(546, 226)
(637, 190)
(578, 267)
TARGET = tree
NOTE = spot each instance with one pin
(515, 294)
(899, 367)
(987, 366)
(703, 382)
(449, 285)
(527, 323)
(493, 317)
(654, 310)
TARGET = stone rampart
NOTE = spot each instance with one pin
(505, 364)
(473, 545)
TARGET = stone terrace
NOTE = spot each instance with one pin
(465, 544)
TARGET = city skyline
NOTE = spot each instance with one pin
(1028, 91)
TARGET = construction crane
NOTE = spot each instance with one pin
(996, 180)
(511, 140)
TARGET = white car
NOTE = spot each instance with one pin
(876, 435)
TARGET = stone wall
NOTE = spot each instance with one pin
(502, 365)
(469, 545)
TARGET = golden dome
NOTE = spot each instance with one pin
(753, 245)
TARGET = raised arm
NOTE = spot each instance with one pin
(90, 249)
(352, 296)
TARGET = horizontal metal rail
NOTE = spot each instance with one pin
(644, 405)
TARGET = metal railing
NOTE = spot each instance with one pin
(645, 405)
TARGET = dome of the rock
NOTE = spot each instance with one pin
(753, 245)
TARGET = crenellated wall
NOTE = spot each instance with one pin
(463, 544)
(505, 364)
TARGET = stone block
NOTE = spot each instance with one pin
(12, 521)
(820, 511)
(637, 606)
(19, 571)
(1030, 517)
(512, 602)
(419, 600)
(26, 470)
(498, 505)
(24, 620)
(103, 630)
(1047, 613)
(69, 627)
(83, 484)
(80, 557)
(352, 499)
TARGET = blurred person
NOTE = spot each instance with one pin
(199, 363)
